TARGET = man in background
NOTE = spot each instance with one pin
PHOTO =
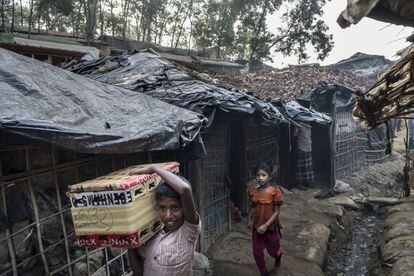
(304, 167)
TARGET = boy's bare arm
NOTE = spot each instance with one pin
(178, 185)
(135, 262)
(184, 190)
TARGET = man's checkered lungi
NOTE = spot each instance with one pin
(304, 168)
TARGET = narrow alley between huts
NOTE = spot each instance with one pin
(206, 137)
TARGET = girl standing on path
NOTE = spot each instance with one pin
(265, 201)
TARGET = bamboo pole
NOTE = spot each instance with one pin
(9, 241)
(37, 217)
(62, 219)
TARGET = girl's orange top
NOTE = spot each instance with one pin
(264, 205)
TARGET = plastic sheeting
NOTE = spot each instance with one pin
(332, 97)
(400, 12)
(52, 105)
(155, 76)
(327, 97)
(298, 113)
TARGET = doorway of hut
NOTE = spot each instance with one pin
(322, 158)
(250, 143)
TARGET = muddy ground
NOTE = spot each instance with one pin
(354, 246)
(331, 236)
(306, 228)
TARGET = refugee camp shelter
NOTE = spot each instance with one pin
(283, 86)
(364, 65)
(50, 50)
(334, 152)
(57, 129)
(322, 149)
(207, 60)
(242, 129)
(354, 148)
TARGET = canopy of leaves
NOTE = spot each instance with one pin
(233, 28)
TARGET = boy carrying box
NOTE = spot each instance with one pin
(171, 251)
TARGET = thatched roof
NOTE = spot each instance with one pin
(285, 84)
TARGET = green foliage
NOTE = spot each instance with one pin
(236, 28)
(56, 7)
(303, 28)
(214, 25)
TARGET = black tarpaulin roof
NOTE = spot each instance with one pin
(301, 114)
(148, 72)
(44, 103)
(329, 96)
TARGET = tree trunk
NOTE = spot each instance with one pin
(162, 27)
(149, 31)
(176, 18)
(101, 17)
(190, 36)
(2, 16)
(188, 14)
(78, 18)
(142, 25)
(180, 32)
(137, 28)
(30, 19)
(125, 21)
(21, 13)
(90, 11)
(38, 18)
(112, 18)
(48, 20)
(12, 20)
(256, 33)
(223, 15)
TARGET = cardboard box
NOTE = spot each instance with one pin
(117, 209)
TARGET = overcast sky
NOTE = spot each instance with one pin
(368, 36)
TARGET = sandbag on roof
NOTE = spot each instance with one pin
(148, 72)
(44, 103)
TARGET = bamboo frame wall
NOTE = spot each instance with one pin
(50, 175)
(214, 191)
(261, 145)
(352, 152)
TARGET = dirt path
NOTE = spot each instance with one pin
(306, 222)
(307, 227)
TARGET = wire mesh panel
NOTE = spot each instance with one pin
(215, 193)
(353, 149)
(350, 144)
(36, 230)
(378, 143)
(261, 145)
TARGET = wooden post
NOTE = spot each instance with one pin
(9, 239)
(333, 153)
(37, 216)
(227, 172)
(62, 219)
(195, 176)
(244, 170)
